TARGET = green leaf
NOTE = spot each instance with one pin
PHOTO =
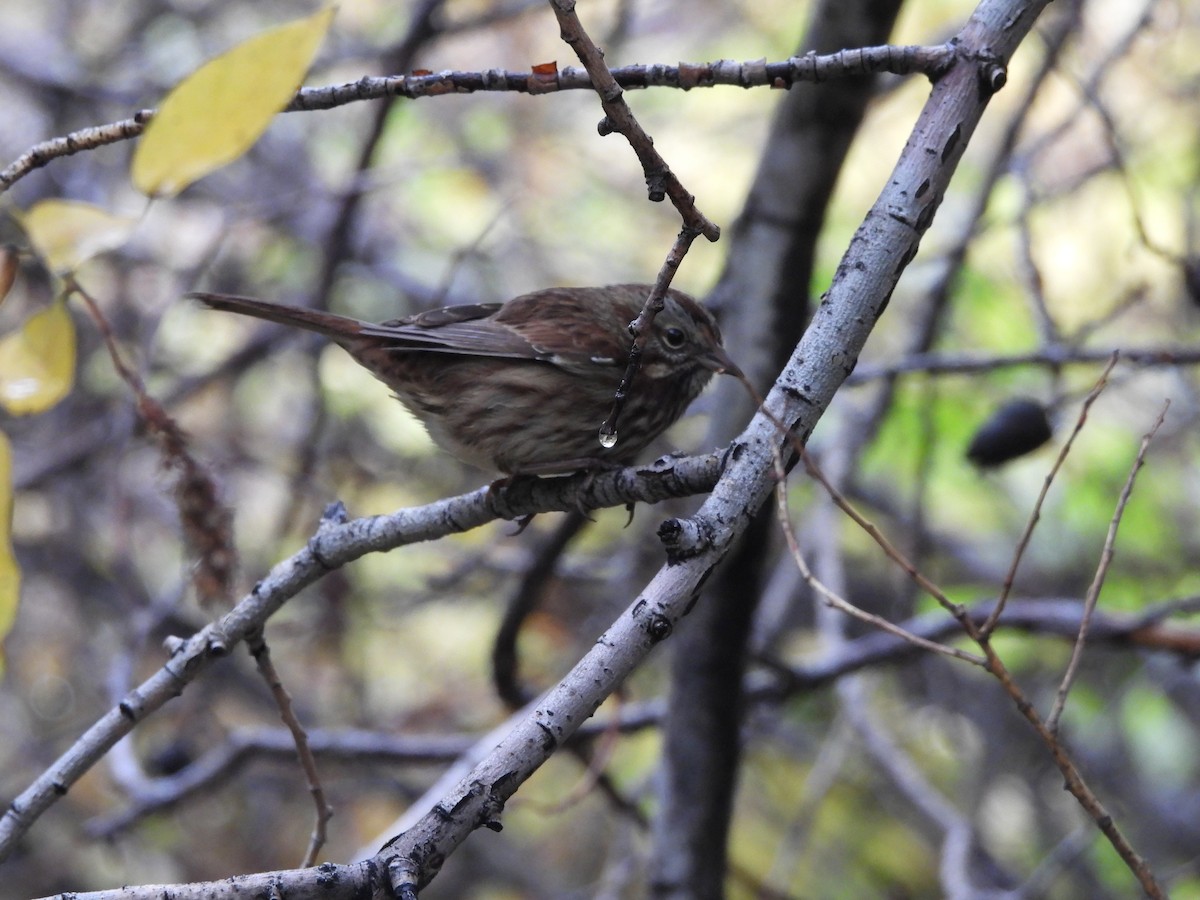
(66, 233)
(217, 113)
(10, 575)
(37, 362)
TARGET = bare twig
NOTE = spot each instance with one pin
(206, 524)
(42, 154)
(867, 60)
(1093, 593)
(897, 60)
(661, 184)
(840, 603)
(335, 544)
(1036, 513)
(640, 328)
(1074, 782)
(258, 648)
(1055, 356)
(958, 611)
(242, 746)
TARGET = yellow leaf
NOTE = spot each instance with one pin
(66, 233)
(37, 362)
(10, 575)
(217, 113)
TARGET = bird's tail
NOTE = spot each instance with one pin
(328, 324)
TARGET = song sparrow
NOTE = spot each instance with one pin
(522, 387)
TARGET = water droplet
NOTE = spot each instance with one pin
(608, 437)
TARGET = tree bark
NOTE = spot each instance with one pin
(763, 297)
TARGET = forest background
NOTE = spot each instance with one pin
(774, 745)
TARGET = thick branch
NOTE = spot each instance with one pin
(336, 543)
(881, 249)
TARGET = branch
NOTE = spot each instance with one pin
(833, 598)
(283, 700)
(1044, 616)
(685, 76)
(1057, 617)
(44, 153)
(883, 246)
(1036, 513)
(1052, 356)
(660, 180)
(244, 745)
(336, 543)
(325, 882)
(896, 60)
(1093, 592)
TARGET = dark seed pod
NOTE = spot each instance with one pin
(1017, 428)
(169, 758)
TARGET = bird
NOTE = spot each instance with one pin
(522, 387)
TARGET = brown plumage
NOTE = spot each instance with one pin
(523, 386)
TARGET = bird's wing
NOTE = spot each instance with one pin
(567, 326)
(468, 330)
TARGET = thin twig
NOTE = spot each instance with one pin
(661, 183)
(1052, 356)
(1073, 781)
(957, 610)
(1106, 555)
(833, 598)
(640, 328)
(257, 645)
(206, 523)
(1006, 589)
(42, 154)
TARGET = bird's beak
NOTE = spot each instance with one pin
(718, 361)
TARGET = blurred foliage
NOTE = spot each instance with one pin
(481, 197)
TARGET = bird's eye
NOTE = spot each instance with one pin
(674, 337)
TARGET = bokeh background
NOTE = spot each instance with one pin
(1078, 235)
